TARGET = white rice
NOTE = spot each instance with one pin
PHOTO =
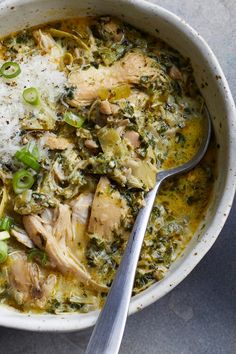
(36, 71)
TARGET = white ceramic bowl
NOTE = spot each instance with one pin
(16, 14)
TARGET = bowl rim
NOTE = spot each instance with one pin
(73, 322)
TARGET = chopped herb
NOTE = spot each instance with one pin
(36, 254)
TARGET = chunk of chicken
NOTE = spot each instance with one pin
(37, 229)
(47, 44)
(22, 237)
(109, 208)
(91, 144)
(143, 173)
(135, 65)
(29, 285)
(133, 138)
(112, 27)
(175, 73)
(128, 70)
(54, 232)
(57, 143)
(45, 41)
(108, 108)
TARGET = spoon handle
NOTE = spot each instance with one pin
(108, 332)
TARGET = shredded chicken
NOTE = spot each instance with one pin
(29, 284)
(22, 237)
(80, 214)
(55, 143)
(108, 211)
(128, 70)
(53, 231)
(48, 44)
(113, 28)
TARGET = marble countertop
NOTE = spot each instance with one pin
(199, 316)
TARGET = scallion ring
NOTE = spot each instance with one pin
(10, 69)
(73, 119)
(3, 251)
(32, 147)
(4, 235)
(5, 223)
(22, 180)
(31, 96)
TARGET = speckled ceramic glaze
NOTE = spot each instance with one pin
(15, 15)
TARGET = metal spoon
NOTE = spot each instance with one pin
(108, 332)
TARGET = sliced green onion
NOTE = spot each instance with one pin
(5, 224)
(31, 96)
(32, 147)
(73, 119)
(3, 251)
(22, 180)
(10, 69)
(28, 159)
(4, 235)
(36, 254)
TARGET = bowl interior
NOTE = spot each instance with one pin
(15, 15)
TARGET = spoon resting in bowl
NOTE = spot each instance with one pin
(108, 332)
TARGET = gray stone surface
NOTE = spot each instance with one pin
(199, 316)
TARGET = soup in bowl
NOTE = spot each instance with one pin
(92, 109)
